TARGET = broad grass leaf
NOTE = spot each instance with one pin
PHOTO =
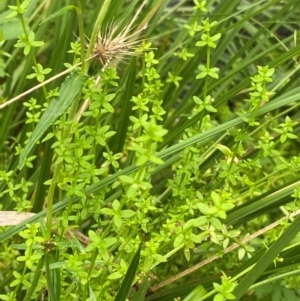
(69, 89)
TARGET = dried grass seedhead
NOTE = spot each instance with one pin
(109, 48)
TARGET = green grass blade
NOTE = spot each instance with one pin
(37, 275)
(44, 174)
(262, 204)
(129, 277)
(59, 13)
(126, 106)
(52, 277)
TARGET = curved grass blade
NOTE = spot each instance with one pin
(69, 89)
(59, 13)
(129, 277)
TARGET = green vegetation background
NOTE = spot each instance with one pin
(157, 155)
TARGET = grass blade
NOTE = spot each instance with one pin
(68, 91)
(127, 282)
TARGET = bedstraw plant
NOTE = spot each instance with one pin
(149, 150)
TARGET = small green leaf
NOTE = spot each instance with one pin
(126, 179)
(110, 241)
(114, 276)
(127, 213)
(107, 211)
(179, 239)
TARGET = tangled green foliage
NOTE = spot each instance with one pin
(169, 151)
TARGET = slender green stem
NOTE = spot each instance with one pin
(50, 197)
(206, 77)
(278, 277)
(81, 35)
(96, 29)
(35, 280)
(23, 275)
